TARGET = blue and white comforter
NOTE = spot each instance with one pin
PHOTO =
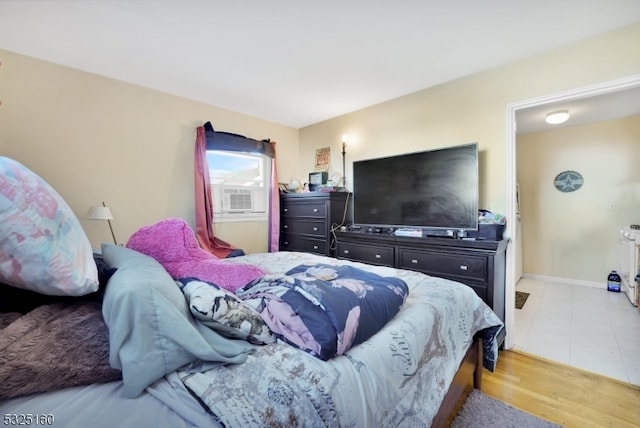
(398, 377)
(325, 309)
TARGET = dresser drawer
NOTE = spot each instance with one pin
(305, 245)
(457, 266)
(366, 253)
(310, 209)
(314, 228)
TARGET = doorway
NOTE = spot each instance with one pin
(514, 250)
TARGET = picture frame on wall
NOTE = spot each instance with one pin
(323, 159)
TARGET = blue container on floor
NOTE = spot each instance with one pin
(613, 281)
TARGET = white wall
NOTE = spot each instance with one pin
(96, 139)
(471, 109)
(575, 235)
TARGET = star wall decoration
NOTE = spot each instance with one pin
(568, 181)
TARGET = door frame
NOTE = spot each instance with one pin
(511, 229)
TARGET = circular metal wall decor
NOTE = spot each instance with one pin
(568, 181)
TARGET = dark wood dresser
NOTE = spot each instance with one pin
(307, 220)
(480, 264)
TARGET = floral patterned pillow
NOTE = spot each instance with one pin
(224, 312)
(43, 247)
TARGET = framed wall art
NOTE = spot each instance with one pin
(323, 158)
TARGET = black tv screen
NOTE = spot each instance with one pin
(435, 189)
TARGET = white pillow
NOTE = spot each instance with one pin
(43, 247)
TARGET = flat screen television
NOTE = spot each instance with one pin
(435, 190)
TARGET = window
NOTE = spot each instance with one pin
(239, 185)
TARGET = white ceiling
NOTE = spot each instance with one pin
(614, 105)
(298, 62)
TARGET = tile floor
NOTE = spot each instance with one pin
(585, 327)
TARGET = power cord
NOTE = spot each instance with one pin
(336, 226)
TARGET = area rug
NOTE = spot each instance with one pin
(521, 298)
(481, 411)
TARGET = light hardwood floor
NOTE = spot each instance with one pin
(562, 394)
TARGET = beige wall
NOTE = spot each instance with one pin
(575, 235)
(96, 139)
(472, 109)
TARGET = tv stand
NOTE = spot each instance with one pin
(478, 263)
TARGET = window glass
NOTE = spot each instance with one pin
(238, 169)
(239, 185)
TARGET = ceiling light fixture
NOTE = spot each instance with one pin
(557, 117)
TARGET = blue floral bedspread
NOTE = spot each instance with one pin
(396, 378)
(325, 309)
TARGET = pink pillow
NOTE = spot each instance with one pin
(43, 247)
(173, 244)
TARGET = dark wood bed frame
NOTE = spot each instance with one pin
(470, 369)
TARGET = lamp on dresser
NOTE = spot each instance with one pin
(345, 138)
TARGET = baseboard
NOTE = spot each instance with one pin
(567, 281)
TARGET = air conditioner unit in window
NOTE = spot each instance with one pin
(237, 199)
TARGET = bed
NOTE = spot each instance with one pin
(399, 377)
(135, 348)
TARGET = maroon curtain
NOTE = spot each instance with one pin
(274, 207)
(204, 204)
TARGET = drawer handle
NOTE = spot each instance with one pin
(286, 210)
(345, 252)
(286, 242)
(464, 267)
(315, 247)
(286, 226)
(315, 229)
(414, 261)
(378, 256)
(315, 210)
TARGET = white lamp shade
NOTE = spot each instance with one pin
(99, 213)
